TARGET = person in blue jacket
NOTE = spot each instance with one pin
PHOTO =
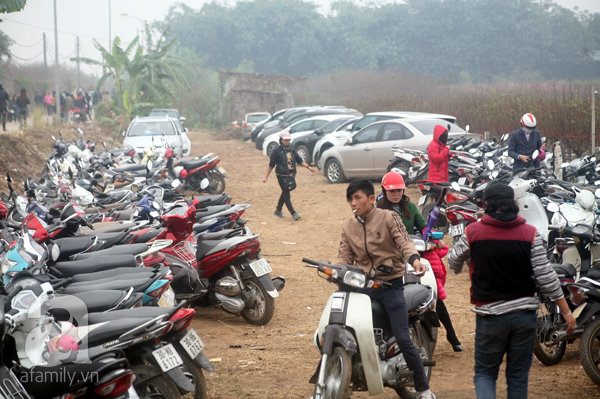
(524, 142)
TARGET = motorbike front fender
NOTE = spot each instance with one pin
(359, 305)
(336, 335)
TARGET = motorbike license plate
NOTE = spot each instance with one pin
(167, 358)
(422, 200)
(167, 299)
(457, 230)
(132, 393)
(221, 169)
(260, 267)
(412, 173)
(192, 343)
(462, 180)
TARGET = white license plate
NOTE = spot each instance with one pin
(132, 393)
(413, 173)
(462, 180)
(260, 267)
(457, 230)
(221, 169)
(192, 343)
(167, 358)
(422, 200)
(167, 299)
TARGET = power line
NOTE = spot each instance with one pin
(28, 59)
(22, 45)
(52, 30)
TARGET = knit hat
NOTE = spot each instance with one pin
(498, 191)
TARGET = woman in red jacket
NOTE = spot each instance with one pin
(439, 155)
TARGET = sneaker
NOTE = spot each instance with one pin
(279, 214)
(457, 348)
(296, 216)
(425, 395)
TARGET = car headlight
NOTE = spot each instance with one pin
(355, 279)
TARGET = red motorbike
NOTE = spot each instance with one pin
(227, 272)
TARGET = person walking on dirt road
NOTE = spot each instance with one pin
(4, 98)
(508, 262)
(284, 159)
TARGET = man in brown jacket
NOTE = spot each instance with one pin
(373, 237)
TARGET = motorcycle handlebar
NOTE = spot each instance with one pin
(553, 228)
(310, 261)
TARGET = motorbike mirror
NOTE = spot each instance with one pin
(489, 154)
(204, 183)
(8, 179)
(460, 147)
(156, 205)
(176, 183)
(55, 252)
(60, 133)
(104, 143)
(543, 139)
(564, 164)
(467, 128)
(455, 186)
(490, 164)
(134, 188)
(597, 193)
(495, 173)
(53, 138)
(155, 214)
(26, 184)
(149, 166)
(593, 159)
(384, 269)
(494, 139)
(473, 150)
(553, 206)
(505, 153)
(80, 131)
(70, 173)
(535, 154)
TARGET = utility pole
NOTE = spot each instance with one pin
(56, 66)
(109, 34)
(593, 120)
(45, 61)
(78, 73)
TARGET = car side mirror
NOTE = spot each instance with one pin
(123, 134)
(349, 127)
(318, 132)
(185, 130)
(349, 141)
(181, 119)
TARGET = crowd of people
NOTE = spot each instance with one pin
(16, 108)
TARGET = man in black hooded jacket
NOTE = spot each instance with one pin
(3, 106)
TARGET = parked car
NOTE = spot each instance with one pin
(300, 129)
(340, 136)
(172, 113)
(367, 153)
(261, 125)
(251, 120)
(158, 131)
(295, 115)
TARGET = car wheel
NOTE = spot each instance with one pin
(334, 172)
(271, 147)
(302, 151)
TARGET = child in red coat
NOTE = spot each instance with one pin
(439, 271)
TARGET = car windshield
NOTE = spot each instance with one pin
(257, 118)
(426, 126)
(331, 126)
(150, 129)
(164, 112)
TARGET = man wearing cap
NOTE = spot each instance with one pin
(284, 158)
(507, 260)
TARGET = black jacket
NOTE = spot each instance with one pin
(280, 162)
(519, 145)
(4, 97)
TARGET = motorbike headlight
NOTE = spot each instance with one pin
(7, 264)
(355, 279)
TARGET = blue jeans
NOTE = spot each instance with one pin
(394, 303)
(511, 333)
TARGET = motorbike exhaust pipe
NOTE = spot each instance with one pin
(558, 336)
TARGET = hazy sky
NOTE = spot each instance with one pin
(89, 19)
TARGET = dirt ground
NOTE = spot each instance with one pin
(277, 360)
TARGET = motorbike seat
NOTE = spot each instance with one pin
(110, 331)
(201, 227)
(72, 245)
(204, 212)
(210, 200)
(564, 270)
(122, 272)
(130, 249)
(139, 285)
(218, 235)
(205, 246)
(194, 163)
(137, 313)
(66, 307)
(129, 168)
(112, 238)
(70, 269)
(149, 235)
(415, 295)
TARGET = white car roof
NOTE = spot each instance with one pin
(421, 115)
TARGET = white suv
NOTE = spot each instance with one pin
(158, 131)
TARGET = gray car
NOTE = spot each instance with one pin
(367, 153)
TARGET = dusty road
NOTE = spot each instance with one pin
(277, 360)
